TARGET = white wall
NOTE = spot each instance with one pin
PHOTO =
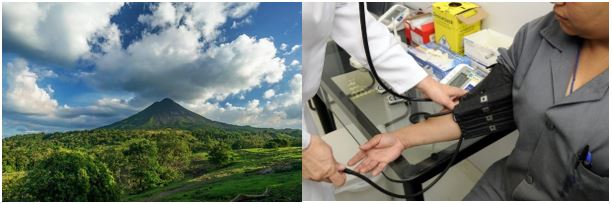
(504, 17)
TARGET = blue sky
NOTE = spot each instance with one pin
(233, 62)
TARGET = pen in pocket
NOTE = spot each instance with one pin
(585, 157)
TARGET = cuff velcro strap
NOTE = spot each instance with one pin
(488, 107)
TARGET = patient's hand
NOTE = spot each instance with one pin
(377, 153)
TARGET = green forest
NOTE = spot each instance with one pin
(211, 164)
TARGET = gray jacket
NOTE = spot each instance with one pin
(553, 128)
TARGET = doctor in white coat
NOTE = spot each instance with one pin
(322, 22)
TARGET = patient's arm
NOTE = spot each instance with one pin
(433, 130)
(386, 147)
(486, 109)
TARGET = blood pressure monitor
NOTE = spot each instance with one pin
(464, 76)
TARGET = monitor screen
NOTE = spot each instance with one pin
(459, 80)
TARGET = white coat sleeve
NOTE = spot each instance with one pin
(393, 64)
(308, 127)
(305, 134)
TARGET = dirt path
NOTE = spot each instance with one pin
(159, 196)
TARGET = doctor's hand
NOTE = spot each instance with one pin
(377, 153)
(318, 163)
(442, 94)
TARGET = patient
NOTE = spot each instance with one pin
(559, 69)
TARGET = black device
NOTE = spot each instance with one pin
(488, 107)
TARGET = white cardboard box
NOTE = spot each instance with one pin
(482, 46)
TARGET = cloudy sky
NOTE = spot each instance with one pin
(70, 66)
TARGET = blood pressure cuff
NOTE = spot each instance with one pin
(487, 108)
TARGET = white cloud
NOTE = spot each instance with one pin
(294, 63)
(160, 64)
(163, 14)
(293, 49)
(25, 102)
(175, 58)
(209, 16)
(282, 112)
(296, 89)
(269, 94)
(238, 10)
(60, 32)
(108, 40)
(113, 103)
(104, 107)
(283, 46)
(253, 105)
(252, 114)
(206, 18)
(247, 21)
(50, 89)
(43, 72)
(292, 97)
(66, 118)
(23, 94)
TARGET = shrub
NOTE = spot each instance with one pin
(70, 176)
(220, 154)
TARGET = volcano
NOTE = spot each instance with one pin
(167, 114)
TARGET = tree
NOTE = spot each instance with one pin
(138, 159)
(270, 145)
(277, 142)
(220, 154)
(282, 142)
(174, 156)
(116, 162)
(142, 166)
(70, 176)
(240, 144)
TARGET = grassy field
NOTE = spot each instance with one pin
(251, 172)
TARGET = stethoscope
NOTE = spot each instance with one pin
(366, 46)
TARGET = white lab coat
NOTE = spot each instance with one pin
(339, 22)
